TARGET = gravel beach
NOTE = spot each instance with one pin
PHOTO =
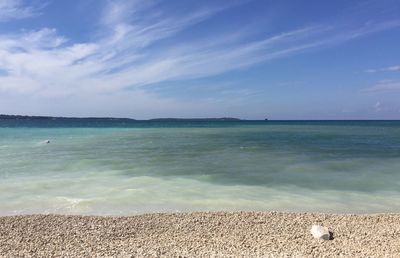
(209, 234)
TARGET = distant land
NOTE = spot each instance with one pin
(197, 119)
(22, 117)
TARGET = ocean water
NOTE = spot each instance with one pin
(124, 168)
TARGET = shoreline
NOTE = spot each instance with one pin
(220, 234)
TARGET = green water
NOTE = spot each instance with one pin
(162, 167)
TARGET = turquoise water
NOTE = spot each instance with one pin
(113, 168)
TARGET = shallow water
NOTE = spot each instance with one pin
(121, 169)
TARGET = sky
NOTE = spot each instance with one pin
(250, 59)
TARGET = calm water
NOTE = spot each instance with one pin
(121, 168)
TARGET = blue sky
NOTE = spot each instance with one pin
(242, 58)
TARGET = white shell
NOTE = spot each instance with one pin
(320, 232)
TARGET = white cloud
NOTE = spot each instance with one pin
(131, 53)
(378, 106)
(383, 86)
(395, 68)
(15, 9)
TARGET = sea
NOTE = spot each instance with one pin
(121, 167)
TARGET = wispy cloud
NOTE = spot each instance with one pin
(378, 106)
(132, 50)
(16, 9)
(383, 86)
(395, 68)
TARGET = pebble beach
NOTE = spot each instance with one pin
(209, 234)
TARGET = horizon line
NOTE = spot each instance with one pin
(224, 118)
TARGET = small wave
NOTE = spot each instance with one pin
(69, 203)
(71, 200)
(42, 143)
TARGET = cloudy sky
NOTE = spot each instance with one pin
(242, 58)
